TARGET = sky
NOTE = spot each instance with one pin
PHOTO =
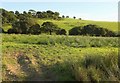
(100, 11)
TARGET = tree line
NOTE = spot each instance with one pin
(28, 27)
(11, 16)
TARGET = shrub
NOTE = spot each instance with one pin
(35, 29)
(61, 32)
(75, 31)
(92, 30)
(10, 31)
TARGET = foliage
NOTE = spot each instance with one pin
(8, 16)
(92, 30)
(49, 27)
(22, 26)
(48, 14)
(75, 31)
(61, 32)
(35, 29)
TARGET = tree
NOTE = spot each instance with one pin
(75, 31)
(11, 17)
(17, 13)
(8, 16)
(56, 15)
(24, 12)
(63, 16)
(33, 12)
(35, 29)
(49, 27)
(80, 18)
(67, 16)
(22, 26)
(39, 14)
(11, 12)
(74, 17)
(48, 14)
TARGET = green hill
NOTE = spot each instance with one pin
(69, 23)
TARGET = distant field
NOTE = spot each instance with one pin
(70, 23)
(59, 58)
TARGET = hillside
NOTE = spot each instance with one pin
(69, 23)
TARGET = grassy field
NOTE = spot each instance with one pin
(69, 23)
(59, 58)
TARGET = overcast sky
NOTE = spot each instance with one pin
(88, 10)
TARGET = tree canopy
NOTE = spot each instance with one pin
(49, 27)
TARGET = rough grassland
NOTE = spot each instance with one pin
(61, 58)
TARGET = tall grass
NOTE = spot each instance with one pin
(73, 41)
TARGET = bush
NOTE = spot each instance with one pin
(10, 31)
(35, 29)
(92, 30)
(75, 31)
(61, 32)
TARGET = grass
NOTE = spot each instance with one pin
(70, 23)
(60, 58)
